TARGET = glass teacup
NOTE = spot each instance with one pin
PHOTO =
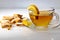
(43, 20)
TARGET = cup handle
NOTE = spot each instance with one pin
(55, 25)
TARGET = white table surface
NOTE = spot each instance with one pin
(24, 33)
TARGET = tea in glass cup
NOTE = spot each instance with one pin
(41, 20)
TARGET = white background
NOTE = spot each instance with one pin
(25, 3)
(23, 33)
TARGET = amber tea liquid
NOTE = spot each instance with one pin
(41, 20)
